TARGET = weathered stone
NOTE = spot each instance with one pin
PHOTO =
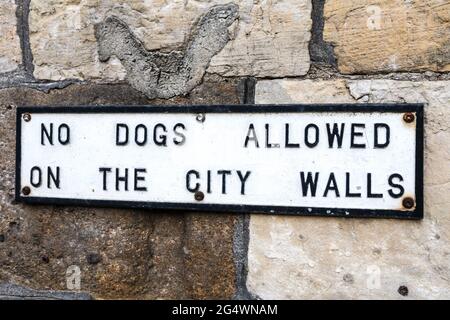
(270, 39)
(213, 90)
(388, 36)
(121, 253)
(165, 75)
(306, 257)
(286, 91)
(15, 292)
(10, 53)
(210, 275)
(321, 52)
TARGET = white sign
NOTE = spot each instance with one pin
(335, 160)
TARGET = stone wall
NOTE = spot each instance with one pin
(135, 52)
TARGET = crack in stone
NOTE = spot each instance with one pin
(165, 75)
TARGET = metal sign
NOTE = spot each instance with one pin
(332, 160)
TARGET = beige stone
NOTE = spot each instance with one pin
(270, 38)
(389, 35)
(306, 257)
(10, 53)
(288, 91)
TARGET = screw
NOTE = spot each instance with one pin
(26, 117)
(408, 117)
(200, 117)
(26, 190)
(408, 203)
(199, 196)
(348, 278)
(403, 290)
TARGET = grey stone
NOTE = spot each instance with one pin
(165, 75)
(319, 50)
(9, 291)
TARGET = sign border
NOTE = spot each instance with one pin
(417, 108)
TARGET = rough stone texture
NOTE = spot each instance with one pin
(287, 91)
(161, 75)
(306, 257)
(121, 253)
(210, 264)
(10, 53)
(270, 38)
(14, 292)
(386, 35)
(320, 51)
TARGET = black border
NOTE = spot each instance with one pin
(417, 213)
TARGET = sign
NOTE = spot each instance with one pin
(334, 160)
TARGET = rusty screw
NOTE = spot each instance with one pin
(408, 117)
(200, 117)
(408, 203)
(26, 117)
(26, 190)
(199, 196)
